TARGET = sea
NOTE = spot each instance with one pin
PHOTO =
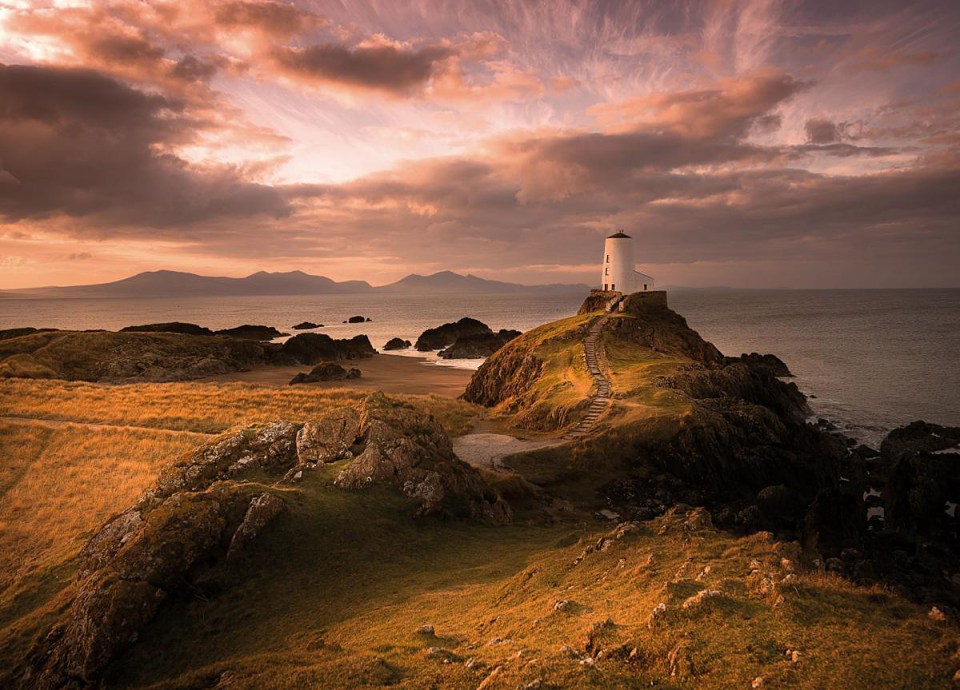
(870, 360)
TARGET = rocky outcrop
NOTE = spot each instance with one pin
(249, 332)
(923, 482)
(7, 333)
(397, 344)
(171, 327)
(313, 348)
(307, 326)
(478, 346)
(447, 334)
(196, 513)
(664, 331)
(770, 363)
(598, 300)
(329, 438)
(357, 319)
(213, 504)
(130, 356)
(326, 371)
(406, 449)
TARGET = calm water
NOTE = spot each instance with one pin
(874, 359)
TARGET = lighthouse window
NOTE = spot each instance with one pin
(606, 270)
(608, 258)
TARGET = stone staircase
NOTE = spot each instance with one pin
(600, 400)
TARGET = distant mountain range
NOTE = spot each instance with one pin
(179, 284)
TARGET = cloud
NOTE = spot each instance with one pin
(726, 109)
(84, 145)
(390, 68)
(822, 132)
(272, 18)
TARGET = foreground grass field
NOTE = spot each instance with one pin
(336, 590)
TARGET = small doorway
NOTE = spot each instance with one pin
(604, 287)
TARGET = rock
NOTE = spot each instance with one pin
(426, 630)
(396, 344)
(126, 356)
(307, 325)
(356, 319)
(770, 363)
(313, 348)
(658, 612)
(172, 327)
(562, 605)
(445, 335)
(263, 509)
(328, 438)
(413, 452)
(936, 615)
(757, 682)
(249, 332)
(8, 333)
(478, 345)
(326, 371)
(678, 661)
(201, 510)
(697, 600)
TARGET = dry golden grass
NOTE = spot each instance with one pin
(73, 479)
(368, 585)
(200, 407)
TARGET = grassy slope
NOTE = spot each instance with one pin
(355, 570)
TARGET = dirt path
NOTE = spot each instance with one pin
(66, 423)
(488, 450)
(600, 400)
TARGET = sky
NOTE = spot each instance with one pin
(741, 143)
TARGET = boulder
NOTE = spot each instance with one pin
(479, 345)
(447, 334)
(326, 371)
(397, 344)
(307, 325)
(249, 332)
(412, 451)
(356, 319)
(171, 327)
(313, 348)
(328, 438)
(263, 509)
(924, 478)
(770, 363)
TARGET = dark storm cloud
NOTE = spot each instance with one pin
(380, 67)
(82, 144)
(822, 132)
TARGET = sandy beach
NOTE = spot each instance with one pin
(387, 373)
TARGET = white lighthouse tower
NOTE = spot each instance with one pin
(619, 274)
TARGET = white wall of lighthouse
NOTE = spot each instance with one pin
(617, 272)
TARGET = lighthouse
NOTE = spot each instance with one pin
(619, 272)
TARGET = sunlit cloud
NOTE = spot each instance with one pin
(739, 142)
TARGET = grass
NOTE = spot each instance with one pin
(198, 407)
(365, 586)
(355, 570)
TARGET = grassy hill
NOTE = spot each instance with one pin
(344, 587)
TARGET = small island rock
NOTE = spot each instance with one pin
(307, 326)
(447, 334)
(397, 344)
(326, 371)
(249, 332)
